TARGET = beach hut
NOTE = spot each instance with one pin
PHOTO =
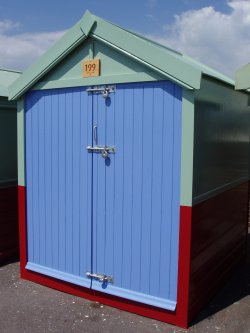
(133, 178)
(9, 247)
(242, 82)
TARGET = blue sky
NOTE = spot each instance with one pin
(145, 16)
(216, 32)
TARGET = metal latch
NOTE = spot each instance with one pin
(100, 277)
(104, 90)
(104, 150)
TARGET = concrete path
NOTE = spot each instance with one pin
(27, 307)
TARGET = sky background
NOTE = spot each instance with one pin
(216, 32)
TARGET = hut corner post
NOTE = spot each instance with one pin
(182, 313)
(21, 187)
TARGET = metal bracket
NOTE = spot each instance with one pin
(100, 277)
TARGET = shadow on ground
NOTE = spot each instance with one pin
(232, 292)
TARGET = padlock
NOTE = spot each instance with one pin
(105, 154)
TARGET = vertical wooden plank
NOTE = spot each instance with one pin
(95, 184)
(138, 109)
(167, 188)
(118, 185)
(69, 179)
(176, 190)
(99, 202)
(110, 185)
(62, 179)
(29, 171)
(48, 179)
(85, 180)
(55, 178)
(127, 186)
(77, 150)
(156, 180)
(146, 190)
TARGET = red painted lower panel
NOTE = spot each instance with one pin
(179, 317)
(217, 229)
(219, 234)
(9, 245)
(22, 229)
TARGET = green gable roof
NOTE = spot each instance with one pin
(6, 78)
(169, 63)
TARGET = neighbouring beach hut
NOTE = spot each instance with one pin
(9, 246)
(242, 82)
(133, 174)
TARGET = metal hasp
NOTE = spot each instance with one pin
(100, 277)
(104, 90)
(104, 150)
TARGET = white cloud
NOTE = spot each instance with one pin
(8, 25)
(215, 38)
(18, 51)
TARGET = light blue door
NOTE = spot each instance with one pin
(110, 224)
(136, 192)
(59, 183)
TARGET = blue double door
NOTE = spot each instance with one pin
(103, 188)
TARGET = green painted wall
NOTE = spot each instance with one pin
(8, 143)
(187, 147)
(221, 139)
(115, 68)
(21, 142)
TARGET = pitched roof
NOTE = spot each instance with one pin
(169, 63)
(6, 78)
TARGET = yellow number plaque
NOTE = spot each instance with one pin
(91, 67)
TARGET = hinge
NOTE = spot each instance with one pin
(100, 277)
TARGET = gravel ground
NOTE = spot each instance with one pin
(27, 307)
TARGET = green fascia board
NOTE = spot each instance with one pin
(242, 78)
(148, 53)
(70, 40)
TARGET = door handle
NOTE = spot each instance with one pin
(95, 134)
